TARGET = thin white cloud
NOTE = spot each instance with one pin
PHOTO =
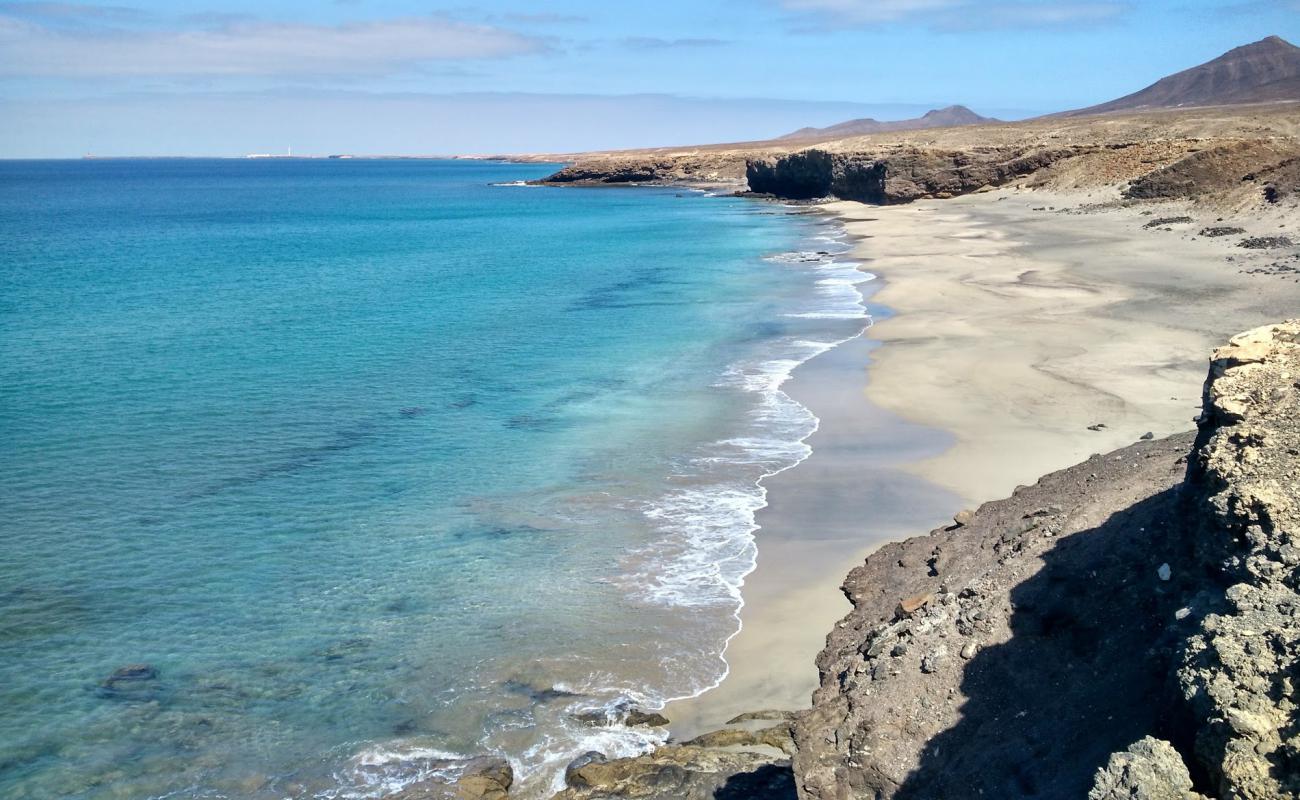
(656, 43)
(250, 48)
(957, 14)
(868, 11)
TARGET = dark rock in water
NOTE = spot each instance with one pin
(538, 694)
(463, 402)
(133, 681)
(131, 673)
(341, 650)
(626, 715)
(1265, 242)
(413, 411)
(1221, 230)
(637, 717)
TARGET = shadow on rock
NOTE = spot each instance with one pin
(769, 782)
(1085, 673)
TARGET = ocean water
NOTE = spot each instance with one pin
(372, 466)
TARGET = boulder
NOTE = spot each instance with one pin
(1150, 769)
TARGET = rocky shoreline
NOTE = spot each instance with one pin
(1127, 627)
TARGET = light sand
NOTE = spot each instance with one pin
(1017, 329)
(1002, 332)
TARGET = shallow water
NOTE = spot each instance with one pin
(376, 464)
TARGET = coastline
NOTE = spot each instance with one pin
(984, 306)
(847, 497)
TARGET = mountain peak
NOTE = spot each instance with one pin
(947, 117)
(1263, 71)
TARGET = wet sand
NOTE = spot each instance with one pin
(1004, 328)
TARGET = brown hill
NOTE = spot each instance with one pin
(950, 117)
(1264, 71)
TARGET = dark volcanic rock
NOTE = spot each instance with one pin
(1265, 242)
(1266, 162)
(897, 177)
(1221, 230)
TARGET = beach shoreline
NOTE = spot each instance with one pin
(1014, 334)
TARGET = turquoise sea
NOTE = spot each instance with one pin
(317, 477)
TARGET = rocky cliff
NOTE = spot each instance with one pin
(901, 176)
(1128, 627)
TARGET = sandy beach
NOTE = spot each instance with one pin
(1015, 333)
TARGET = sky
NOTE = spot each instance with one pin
(230, 77)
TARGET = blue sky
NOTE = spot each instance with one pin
(224, 77)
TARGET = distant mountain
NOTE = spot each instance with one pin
(949, 117)
(1267, 70)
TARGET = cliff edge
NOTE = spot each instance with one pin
(1128, 627)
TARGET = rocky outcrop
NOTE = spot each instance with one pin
(900, 176)
(1240, 673)
(1271, 167)
(484, 778)
(1129, 627)
(1149, 770)
(1010, 654)
(707, 169)
(731, 764)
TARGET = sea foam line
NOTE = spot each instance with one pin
(705, 565)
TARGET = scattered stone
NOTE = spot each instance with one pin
(910, 605)
(969, 650)
(963, 517)
(1182, 613)
(1162, 221)
(1097, 427)
(1164, 572)
(1148, 436)
(1221, 230)
(932, 660)
(1265, 242)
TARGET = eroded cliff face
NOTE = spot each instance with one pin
(1129, 627)
(1240, 674)
(896, 177)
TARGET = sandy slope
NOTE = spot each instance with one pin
(1016, 329)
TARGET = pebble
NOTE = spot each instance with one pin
(968, 652)
(1182, 613)
(1164, 572)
